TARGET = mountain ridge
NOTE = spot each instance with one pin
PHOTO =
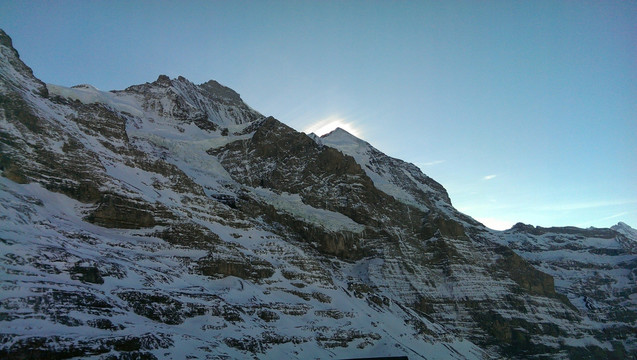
(163, 220)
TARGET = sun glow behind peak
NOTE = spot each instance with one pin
(327, 125)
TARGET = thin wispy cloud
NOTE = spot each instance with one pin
(585, 205)
(489, 177)
(615, 216)
(605, 218)
(432, 163)
(486, 206)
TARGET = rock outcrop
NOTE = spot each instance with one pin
(171, 220)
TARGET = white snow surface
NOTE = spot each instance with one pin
(88, 94)
(626, 230)
(45, 236)
(379, 167)
(316, 308)
(57, 236)
(293, 204)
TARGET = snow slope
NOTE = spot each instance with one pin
(171, 220)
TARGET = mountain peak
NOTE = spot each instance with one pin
(209, 101)
(342, 136)
(625, 230)
(5, 40)
(338, 131)
(210, 88)
(170, 204)
(622, 224)
(163, 80)
(14, 70)
(219, 91)
(395, 177)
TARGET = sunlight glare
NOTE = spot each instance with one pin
(496, 224)
(325, 126)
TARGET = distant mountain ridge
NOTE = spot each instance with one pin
(171, 220)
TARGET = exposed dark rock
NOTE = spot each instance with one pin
(285, 160)
(17, 109)
(218, 91)
(89, 274)
(13, 58)
(190, 235)
(530, 279)
(253, 215)
(155, 306)
(11, 170)
(104, 324)
(119, 212)
(133, 355)
(445, 226)
(268, 315)
(571, 230)
(244, 268)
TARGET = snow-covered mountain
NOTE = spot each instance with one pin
(171, 220)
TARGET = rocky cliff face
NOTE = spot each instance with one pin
(170, 220)
(595, 268)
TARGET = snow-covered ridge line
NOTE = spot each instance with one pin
(88, 94)
(392, 176)
(170, 220)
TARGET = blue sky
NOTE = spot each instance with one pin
(524, 111)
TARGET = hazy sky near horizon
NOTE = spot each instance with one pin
(523, 110)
